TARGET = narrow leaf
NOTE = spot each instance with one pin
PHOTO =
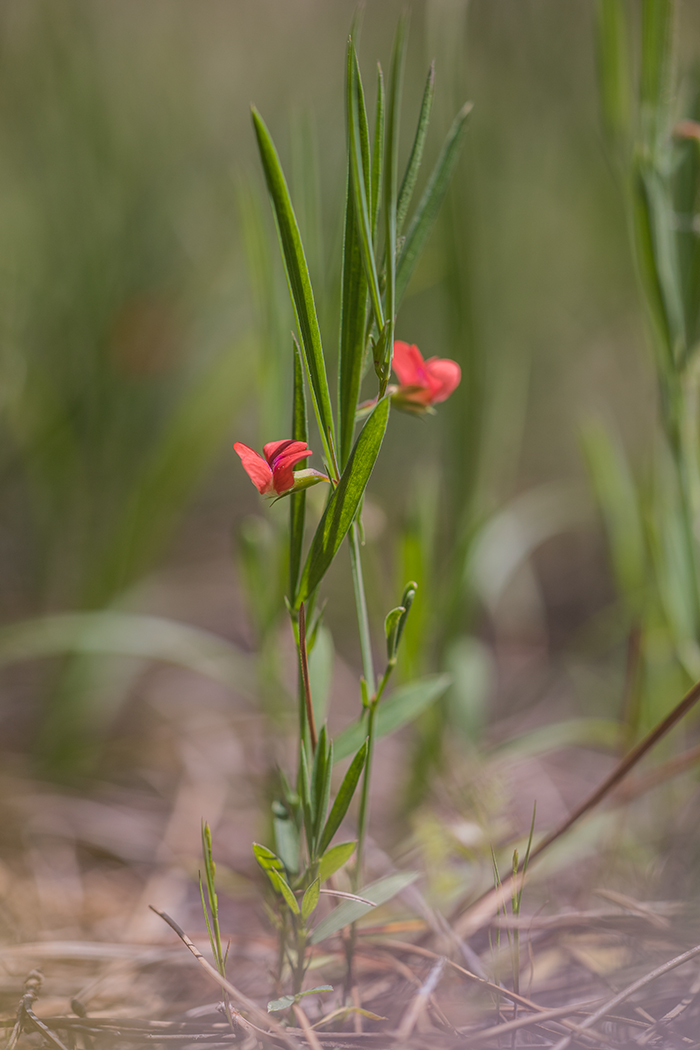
(299, 284)
(303, 788)
(266, 858)
(297, 501)
(320, 784)
(344, 502)
(378, 892)
(343, 798)
(391, 163)
(377, 154)
(391, 626)
(310, 899)
(408, 182)
(353, 307)
(334, 858)
(398, 710)
(429, 205)
(359, 168)
(286, 837)
(282, 886)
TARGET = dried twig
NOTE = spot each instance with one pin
(248, 1004)
(630, 990)
(671, 1015)
(419, 1002)
(309, 1034)
(479, 913)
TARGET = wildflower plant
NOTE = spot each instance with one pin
(378, 259)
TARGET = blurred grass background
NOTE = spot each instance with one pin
(144, 320)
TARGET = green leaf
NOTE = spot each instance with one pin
(344, 502)
(378, 892)
(303, 788)
(299, 284)
(353, 307)
(310, 899)
(343, 798)
(398, 710)
(657, 251)
(266, 858)
(377, 154)
(407, 599)
(429, 205)
(282, 886)
(286, 837)
(360, 172)
(391, 626)
(297, 501)
(321, 659)
(276, 1005)
(408, 182)
(289, 1000)
(320, 786)
(391, 163)
(334, 858)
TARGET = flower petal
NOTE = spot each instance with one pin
(274, 449)
(409, 365)
(282, 472)
(443, 376)
(255, 467)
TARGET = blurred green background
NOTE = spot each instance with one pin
(144, 327)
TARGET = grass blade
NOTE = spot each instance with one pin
(299, 285)
(429, 205)
(408, 183)
(342, 507)
(343, 798)
(358, 136)
(378, 892)
(398, 710)
(297, 501)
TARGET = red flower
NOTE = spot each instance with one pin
(423, 383)
(275, 472)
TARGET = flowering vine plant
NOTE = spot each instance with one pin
(302, 855)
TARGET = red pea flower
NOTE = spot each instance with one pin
(275, 473)
(422, 383)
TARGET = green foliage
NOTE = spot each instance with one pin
(344, 503)
(299, 285)
(350, 911)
